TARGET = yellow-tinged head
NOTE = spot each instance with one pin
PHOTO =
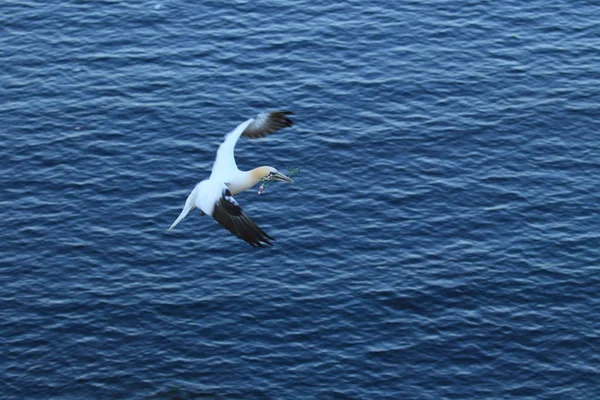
(269, 174)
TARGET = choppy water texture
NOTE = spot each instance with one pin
(442, 240)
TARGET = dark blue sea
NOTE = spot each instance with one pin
(441, 240)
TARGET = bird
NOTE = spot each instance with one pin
(214, 196)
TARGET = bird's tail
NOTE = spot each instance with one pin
(184, 212)
(189, 206)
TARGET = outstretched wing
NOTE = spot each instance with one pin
(262, 125)
(266, 123)
(224, 166)
(229, 215)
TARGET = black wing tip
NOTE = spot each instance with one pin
(231, 217)
(264, 244)
(260, 238)
(282, 115)
(277, 113)
(267, 123)
(259, 241)
(255, 236)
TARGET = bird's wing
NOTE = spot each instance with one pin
(266, 123)
(262, 125)
(228, 213)
(225, 165)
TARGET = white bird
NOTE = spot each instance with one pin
(214, 196)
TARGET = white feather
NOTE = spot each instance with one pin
(224, 166)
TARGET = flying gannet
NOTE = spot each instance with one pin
(214, 196)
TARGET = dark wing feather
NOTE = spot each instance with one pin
(266, 123)
(230, 216)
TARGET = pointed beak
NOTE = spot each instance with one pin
(278, 176)
(184, 212)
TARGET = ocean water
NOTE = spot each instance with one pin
(441, 241)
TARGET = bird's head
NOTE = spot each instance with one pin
(271, 174)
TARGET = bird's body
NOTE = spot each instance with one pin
(214, 196)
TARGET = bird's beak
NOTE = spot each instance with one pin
(278, 176)
(184, 212)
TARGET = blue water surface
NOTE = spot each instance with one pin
(441, 241)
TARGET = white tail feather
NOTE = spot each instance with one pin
(189, 206)
(184, 212)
